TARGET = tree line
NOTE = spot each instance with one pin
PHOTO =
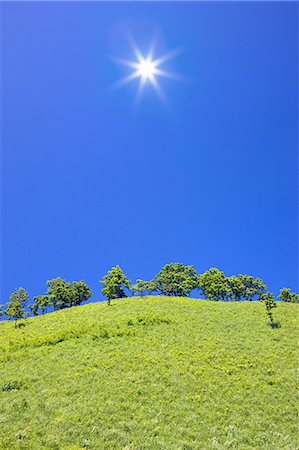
(174, 279)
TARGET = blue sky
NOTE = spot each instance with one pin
(91, 180)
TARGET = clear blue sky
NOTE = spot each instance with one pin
(91, 181)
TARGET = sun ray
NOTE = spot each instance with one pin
(170, 75)
(170, 55)
(147, 69)
(123, 81)
(159, 91)
(126, 62)
(150, 54)
(135, 49)
(140, 89)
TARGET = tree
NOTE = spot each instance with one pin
(285, 295)
(176, 279)
(143, 287)
(16, 305)
(213, 285)
(253, 287)
(41, 302)
(151, 287)
(59, 293)
(268, 299)
(235, 288)
(114, 284)
(81, 293)
(64, 294)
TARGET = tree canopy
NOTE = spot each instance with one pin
(213, 285)
(15, 307)
(60, 295)
(114, 284)
(143, 287)
(64, 294)
(41, 302)
(285, 295)
(176, 279)
(253, 288)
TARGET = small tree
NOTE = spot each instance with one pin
(285, 295)
(213, 285)
(253, 287)
(143, 287)
(151, 287)
(268, 299)
(81, 293)
(64, 294)
(41, 302)
(176, 279)
(59, 292)
(235, 288)
(114, 284)
(16, 305)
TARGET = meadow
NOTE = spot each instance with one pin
(151, 373)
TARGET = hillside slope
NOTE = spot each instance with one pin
(155, 373)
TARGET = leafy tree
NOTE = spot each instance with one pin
(64, 294)
(176, 279)
(235, 288)
(285, 295)
(253, 287)
(143, 287)
(151, 287)
(59, 292)
(16, 305)
(114, 284)
(41, 302)
(213, 285)
(81, 293)
(268, 299)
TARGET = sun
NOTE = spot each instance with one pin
(147, 69)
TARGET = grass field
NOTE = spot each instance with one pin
(155, 373)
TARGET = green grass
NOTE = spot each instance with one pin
(155, 373)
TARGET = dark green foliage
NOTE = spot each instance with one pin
(16, 305)
(176, 279)
(268, 299)
(59, 292)
(81, 293)
(114, 284)
(143, 287)
(64, 294)
(11, 385)
(41, 302)
(285, 295)
(235, 288)
(253, 287)
(213, 285)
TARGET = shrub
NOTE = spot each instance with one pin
(114, 284)
(176, 279)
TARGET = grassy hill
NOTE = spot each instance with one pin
(155, 373)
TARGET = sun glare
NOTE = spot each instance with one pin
(147, 69)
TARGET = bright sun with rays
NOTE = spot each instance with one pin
(147, 69)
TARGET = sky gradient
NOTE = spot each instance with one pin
(91, 178)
